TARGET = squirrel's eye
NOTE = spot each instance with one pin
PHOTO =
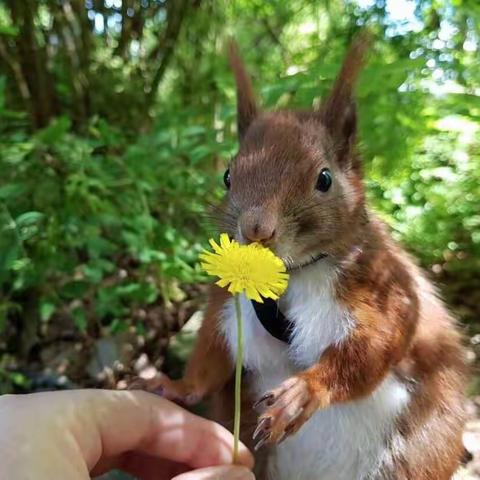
(226, 178)
(324, 181)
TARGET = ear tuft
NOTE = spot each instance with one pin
(338, 112)
(247, 108)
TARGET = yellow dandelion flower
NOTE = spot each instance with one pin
(255, 271)
(250, 269)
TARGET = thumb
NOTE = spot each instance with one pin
(231, 472)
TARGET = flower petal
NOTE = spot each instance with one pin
(251, 269)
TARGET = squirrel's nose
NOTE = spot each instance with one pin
(257, 226)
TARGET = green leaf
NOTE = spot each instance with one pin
(93, 273)
(140, 329)
(80, 319)
(28, 224)
(12, 190)
(74, 289)
(3, 317)
(28, 219)
(118, 326)
(47, 309)
(19, 379)
(8, 30)
(55, 132)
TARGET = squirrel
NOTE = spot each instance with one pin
(370, 384)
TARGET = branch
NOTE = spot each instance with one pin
(69, 30)
(125, 34)
(32, 60)
(276, 39)
(84, 48)
(20, 80)
(176, 12)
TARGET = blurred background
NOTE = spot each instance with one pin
(117, 121)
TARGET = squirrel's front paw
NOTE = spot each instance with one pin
(286, 409)
(175, 390)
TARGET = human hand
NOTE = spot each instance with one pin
(82, 433)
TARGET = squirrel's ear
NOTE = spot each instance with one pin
(246, 104)
(338, 112)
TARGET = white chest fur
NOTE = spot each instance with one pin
(343, 442)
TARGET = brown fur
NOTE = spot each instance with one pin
(402, 328)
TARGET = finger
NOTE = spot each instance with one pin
(133, 420)
(141, 466)
(145, 467)
(218, 473)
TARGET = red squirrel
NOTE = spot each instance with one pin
(370, 384)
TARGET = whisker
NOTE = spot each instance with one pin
(301, 209)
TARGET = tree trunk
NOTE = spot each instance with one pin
(176, 12)
(33, 62)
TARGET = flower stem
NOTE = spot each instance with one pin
(238, 379)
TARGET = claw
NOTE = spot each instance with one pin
(268, 397)
(137, 384)
(264, 423)
(290, 428)
(262, 442)
(160, 390)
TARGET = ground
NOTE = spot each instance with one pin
(471, 439)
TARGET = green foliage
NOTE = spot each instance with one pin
(81, 223)
(435, 208)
